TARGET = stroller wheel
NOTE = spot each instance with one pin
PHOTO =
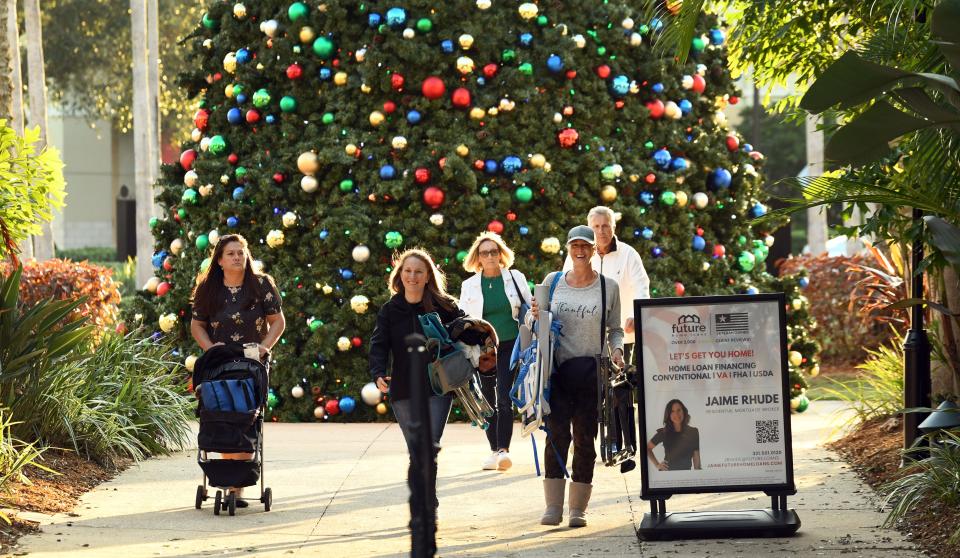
(217, 501)
(267, 499)
(201, 496)
(232, 503)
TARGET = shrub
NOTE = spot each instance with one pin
(92, 253)
(66, 280)
(15, 456)
(878, 393)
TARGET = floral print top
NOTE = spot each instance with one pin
(241, 318)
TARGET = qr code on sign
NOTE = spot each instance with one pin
(768, 431)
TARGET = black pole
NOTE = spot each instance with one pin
(423, 515)
(917, 384)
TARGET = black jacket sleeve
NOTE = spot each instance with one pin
(380, 345)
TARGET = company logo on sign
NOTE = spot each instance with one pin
(689, 323)
(732, 323)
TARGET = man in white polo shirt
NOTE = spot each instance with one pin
(620, 262)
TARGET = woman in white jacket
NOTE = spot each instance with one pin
(495, 293)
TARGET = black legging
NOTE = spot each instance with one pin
(496, 390)
(573, 401)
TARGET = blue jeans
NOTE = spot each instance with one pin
(496, 390)
(439, 406)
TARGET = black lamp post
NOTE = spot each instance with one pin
(917, 384)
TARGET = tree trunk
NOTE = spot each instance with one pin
(141, 139)
(946, 369)
(43, 244)
(153, 85)
(816, 216)
(11, 34)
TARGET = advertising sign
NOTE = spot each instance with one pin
(714, 396)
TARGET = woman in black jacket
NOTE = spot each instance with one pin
(418, 287)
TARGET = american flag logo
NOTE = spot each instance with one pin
(737, 322)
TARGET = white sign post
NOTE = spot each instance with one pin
(714, 412)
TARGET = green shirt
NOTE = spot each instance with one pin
(497, 309)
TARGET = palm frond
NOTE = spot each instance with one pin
(676, 37)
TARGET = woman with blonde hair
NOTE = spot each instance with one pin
(496, 294)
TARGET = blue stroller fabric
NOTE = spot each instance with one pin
(229, 395)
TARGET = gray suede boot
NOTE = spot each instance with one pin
(553, 490)
(579, 498)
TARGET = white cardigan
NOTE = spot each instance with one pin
(471, 293)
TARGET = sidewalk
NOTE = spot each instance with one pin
(339, 490)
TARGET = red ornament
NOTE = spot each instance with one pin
(571, 74)
(278, 177)
(396, 82)
(699, 231)
(217, 76)
(490, 70)
(478, 164)
(253, 116)
(168, 263)
(719, 251)
(233, 159)
(461, 97)
(734, 100)
(294, 71)
(568, 110)
(163, 288)
(442, 162)
(656, 109)
(733, 143)
(679, 288)
(603, 71)
(699, 84)
(511, 216)
(495, 226)
(201, 118)
(650, 178)
(187, 158)
(618, 104)
(356, 341)
(422, 175)
(433, 197)
(433, 88)
(332, 406)
(568, 137)
(389, 107)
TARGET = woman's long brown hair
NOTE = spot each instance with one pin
(435, 294)
(208, 292)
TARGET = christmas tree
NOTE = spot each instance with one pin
(333, 134)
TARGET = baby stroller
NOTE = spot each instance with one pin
(231, 393)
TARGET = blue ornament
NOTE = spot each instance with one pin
(347, 404)
(243, 56)
(414, 116)
(646, 233)
(637, 233)
(325, 74)
(396, 17)
(758, 210)
(446, 46)
(324, 233)
(721, 178)
(656, 251)
(662, 158)
(234, 116)
(158, 258)
(752, 290)
(685, 106)
(747, 147)
(526, 39)
(511, 164)
(657, 87)
(656, 24)
(238, 193)
(481, 81)
(241, 98)
(679, 163)
(270, 119)
(346, 274)
(232, 222)
(374, 20)
(523, 230)
(803, 282)
(490, 166)
(699, 243)
(646, 197)
(717, 37)
(555, 63)
(620, 85)
(387, 172)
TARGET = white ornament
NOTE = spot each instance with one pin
(436, 219)
(361, 54)
(190, 178)
(371, 394)
(297, 392)
(528, 10)
(214, 237)
(769, 240)
(705, 266)
(360, 253)
(627, 23)
(176, 246)
(289, 219)
(151, 285)
(196, 134)
(168, 322)
(466, 41)
(399, 142)
(204, 144)
(700, 200)
(319, 412)
(550, 245)
(557, 118)
(190, 362)
(309, 184)
(343, 344)
(636, 39)
(275, 238)
(686, 82)
(579, 40)
(205, 190)
(702, 70)
(465, 65)
(269, 27)
(484, 4)
(672, 110)
(409, 33)
(239, 11)
(258, 266)
(359, 304)
(230, 62)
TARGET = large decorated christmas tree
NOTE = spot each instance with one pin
(333, 134)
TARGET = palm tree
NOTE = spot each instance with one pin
(43, 244)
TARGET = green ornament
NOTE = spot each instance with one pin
(261, 98)
(524, 194)
(218, 145)
(608, 172)
(668, 198)
(424, 25)
(698, 44)
(761, 252)
(272, 399)
(205, 264)
(542, 20)
(154, 222)
(484, 190)
(346, 185)
(393, 240)
(209, 22)
(323, 47)
(296, 49)
(202, 242)
(288, 104)
(327, 118)
(240, 172)
(182, 213)
(314, 324)
(461, 256)
(803, 402)
(189, 196)
(297, 10)
(741, 240)
(238, 89)
(526, 69)
(508, 55)
(602, 50)
(644, 29)
(747, 261)
(648, 145)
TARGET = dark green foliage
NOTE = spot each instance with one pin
(615, 149)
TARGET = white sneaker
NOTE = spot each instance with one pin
(503, 460)
(490, 463)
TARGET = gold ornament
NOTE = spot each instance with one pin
(528, 10)
(377, 118)
(239, 12)
(289, 219)
(537, 160)
(151, 285)
(343, 344)
(463, 150)
(465, 65)
(308, 163)
(399, 142)
(477, 113)
(466, 41)
(327, 289)
(608, 194)
(550, 245)
(275, 238)
(190, 178)
(228, 91)
(319, 412)
(815, 371)
(795, 358)
(359, 304)
(381, 408)
(340, 78)
(681, 199)
(307, 34)
(350, 149)
(190, 362)
(364, 88)
(205, 190)
(230, 62)
(168, 322)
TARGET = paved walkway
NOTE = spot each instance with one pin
(340, 491)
